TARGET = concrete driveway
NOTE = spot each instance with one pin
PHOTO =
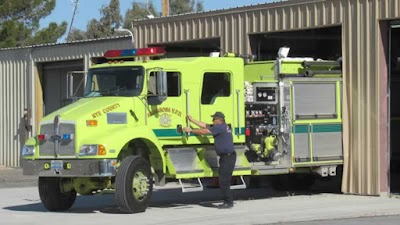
(20, 204)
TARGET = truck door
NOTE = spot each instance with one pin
(217, 95)
(164, 118)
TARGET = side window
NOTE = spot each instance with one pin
(215, 85)
(173, 83)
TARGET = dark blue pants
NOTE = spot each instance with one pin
(226, 166)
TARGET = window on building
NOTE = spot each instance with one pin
(215, 85)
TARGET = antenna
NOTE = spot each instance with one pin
(73, 16)
(150, 15)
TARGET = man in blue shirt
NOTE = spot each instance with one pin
(223, 144)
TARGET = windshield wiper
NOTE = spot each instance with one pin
(102, 93)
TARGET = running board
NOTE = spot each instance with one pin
(239, 186)
(192, 189)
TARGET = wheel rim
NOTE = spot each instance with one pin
(140, 185)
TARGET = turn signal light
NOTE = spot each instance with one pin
(91, 123)
(41, 137)
(101, 150)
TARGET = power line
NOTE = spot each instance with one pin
(73, 16)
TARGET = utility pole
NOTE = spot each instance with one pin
(165, 7)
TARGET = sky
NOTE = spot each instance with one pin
(89, 9)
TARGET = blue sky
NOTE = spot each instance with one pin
(88, 9)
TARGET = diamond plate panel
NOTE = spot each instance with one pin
(184, 159)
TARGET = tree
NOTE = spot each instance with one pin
(76, 35)
(199, 6)
(19, 23)
(185, 6)
(94, 29)
(49, 34)
(138, 11)
(110, 20)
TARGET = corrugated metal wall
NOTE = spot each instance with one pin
(365, 133)
(18, 83)
(233, 26)
(366, 91)
(13, 100)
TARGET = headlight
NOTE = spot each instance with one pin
(92, 150)
(88, 150)
(28, 150)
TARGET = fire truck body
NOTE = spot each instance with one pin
(126, 132)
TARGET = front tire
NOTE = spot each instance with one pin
(51, 195)
(133, 184)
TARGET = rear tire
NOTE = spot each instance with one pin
(51, 195)
(133, 184)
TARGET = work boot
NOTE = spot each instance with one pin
(226, 205)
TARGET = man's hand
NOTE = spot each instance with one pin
(187, 129)
(198, 123)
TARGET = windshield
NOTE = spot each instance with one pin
(114, 81)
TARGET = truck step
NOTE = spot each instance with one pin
(186, 189)
(239, 186)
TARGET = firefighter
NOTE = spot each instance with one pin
(223, 145)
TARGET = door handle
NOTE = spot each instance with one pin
(179, 129)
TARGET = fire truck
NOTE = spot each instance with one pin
(125, 133)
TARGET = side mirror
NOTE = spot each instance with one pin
(75, 85)
(157, 86)
(161, 77)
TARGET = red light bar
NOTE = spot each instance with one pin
(112, 54)
(153, 51)
(136, 52)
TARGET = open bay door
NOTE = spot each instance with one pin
(394, 112)
(60, 86)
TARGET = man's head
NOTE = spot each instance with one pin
(218, 118)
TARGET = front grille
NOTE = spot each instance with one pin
(65, 147)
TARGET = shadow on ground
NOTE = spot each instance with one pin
(174, 198)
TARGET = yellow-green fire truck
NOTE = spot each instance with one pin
(125, 134)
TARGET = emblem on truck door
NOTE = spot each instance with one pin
(165, 120)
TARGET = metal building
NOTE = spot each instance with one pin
(32, 84)
(363, 32)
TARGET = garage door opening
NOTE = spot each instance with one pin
(394, 79)
(200, 47)
(53, 80)
(323, 43)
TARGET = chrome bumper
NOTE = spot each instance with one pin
(70, 168)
